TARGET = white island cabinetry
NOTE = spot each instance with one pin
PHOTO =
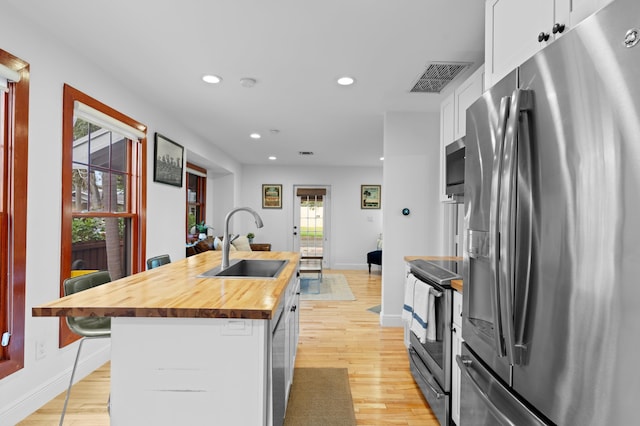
(169, 371)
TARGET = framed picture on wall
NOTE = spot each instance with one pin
(370, 196)
(167, 163)
(271, 196)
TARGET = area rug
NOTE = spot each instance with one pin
(332, 287)
(320, 397)
(375, 309)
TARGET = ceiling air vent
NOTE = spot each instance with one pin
(305, 153)
(437, 76)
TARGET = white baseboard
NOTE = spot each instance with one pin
(30, 402)
(391, 320)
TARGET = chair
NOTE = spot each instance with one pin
(374, 257)
(154, 262)
(87, 327)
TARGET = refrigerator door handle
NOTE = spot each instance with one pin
(494, 224)
(520, 102)
(465, 364)
(524, 230)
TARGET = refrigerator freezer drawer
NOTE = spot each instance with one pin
(439, 401)
(486, 401)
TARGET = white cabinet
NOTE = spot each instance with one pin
(447, 132)
(456, 349)
(517, 29)
(512, 28)
(584, 8)
(466, 94)
(292, 331)
(453, 119)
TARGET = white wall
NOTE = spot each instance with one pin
(52, 65)
(411, 179)
(353, 231)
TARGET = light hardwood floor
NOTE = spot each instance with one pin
(332, 334)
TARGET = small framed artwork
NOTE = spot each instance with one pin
(167, 163)
(271, 196)
(370, 196)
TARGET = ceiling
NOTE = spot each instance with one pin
(294, 49)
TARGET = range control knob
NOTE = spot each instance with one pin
(558, 28)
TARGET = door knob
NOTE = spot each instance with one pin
(543, 37)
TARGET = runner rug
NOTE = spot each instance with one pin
(320, 397)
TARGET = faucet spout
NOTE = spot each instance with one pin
(226, 242)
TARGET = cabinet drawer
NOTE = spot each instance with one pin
(457, 308)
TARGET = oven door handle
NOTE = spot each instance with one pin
(427, 380)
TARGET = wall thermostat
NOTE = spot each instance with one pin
(405, 211)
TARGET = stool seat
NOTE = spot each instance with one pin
(374, 257)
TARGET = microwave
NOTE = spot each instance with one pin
(454, 168)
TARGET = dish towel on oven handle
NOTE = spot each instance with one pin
(431, 328)
(407, 309)
(423, 313)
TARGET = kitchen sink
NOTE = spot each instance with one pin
(248, 268)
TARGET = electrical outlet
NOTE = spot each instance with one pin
(40, 349)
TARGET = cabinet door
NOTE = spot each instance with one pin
(466, 94)
(456, 349)
(457, 308)
(512, 28)
(581, 9)
(447, 132)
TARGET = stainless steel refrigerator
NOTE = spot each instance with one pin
(551, 315)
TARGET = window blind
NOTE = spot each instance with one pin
(7, 75)
(105, 121)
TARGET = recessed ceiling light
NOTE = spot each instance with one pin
(346, 81)
(381, 158)
(213, 79)
(272, 158)
(255, 136)
(247, 82)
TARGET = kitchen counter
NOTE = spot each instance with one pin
(455, 284)
(174, 290)
(190, 350)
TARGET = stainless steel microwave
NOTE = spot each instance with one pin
(454, 168)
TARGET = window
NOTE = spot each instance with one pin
(102, 191)
(14, 123)
(196, 196)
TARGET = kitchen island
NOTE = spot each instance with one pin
(192, 350)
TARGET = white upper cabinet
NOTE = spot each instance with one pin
(512, 30)
(447, 135)
(466, 94)
(583, 8)
(516, 29)
(453, 119)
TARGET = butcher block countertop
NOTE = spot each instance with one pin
(455, 284)
(174, 290)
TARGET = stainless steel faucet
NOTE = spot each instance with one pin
(226, 242)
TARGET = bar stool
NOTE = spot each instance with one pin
(87, 327)
(154, 262)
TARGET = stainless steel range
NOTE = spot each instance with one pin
(430, 355)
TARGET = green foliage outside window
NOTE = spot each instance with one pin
(85, 229)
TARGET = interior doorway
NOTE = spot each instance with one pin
(311, 227)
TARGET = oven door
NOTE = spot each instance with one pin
(436, 354)
(438, 400)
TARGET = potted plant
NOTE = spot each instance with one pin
(250, 237)
(202, 229)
